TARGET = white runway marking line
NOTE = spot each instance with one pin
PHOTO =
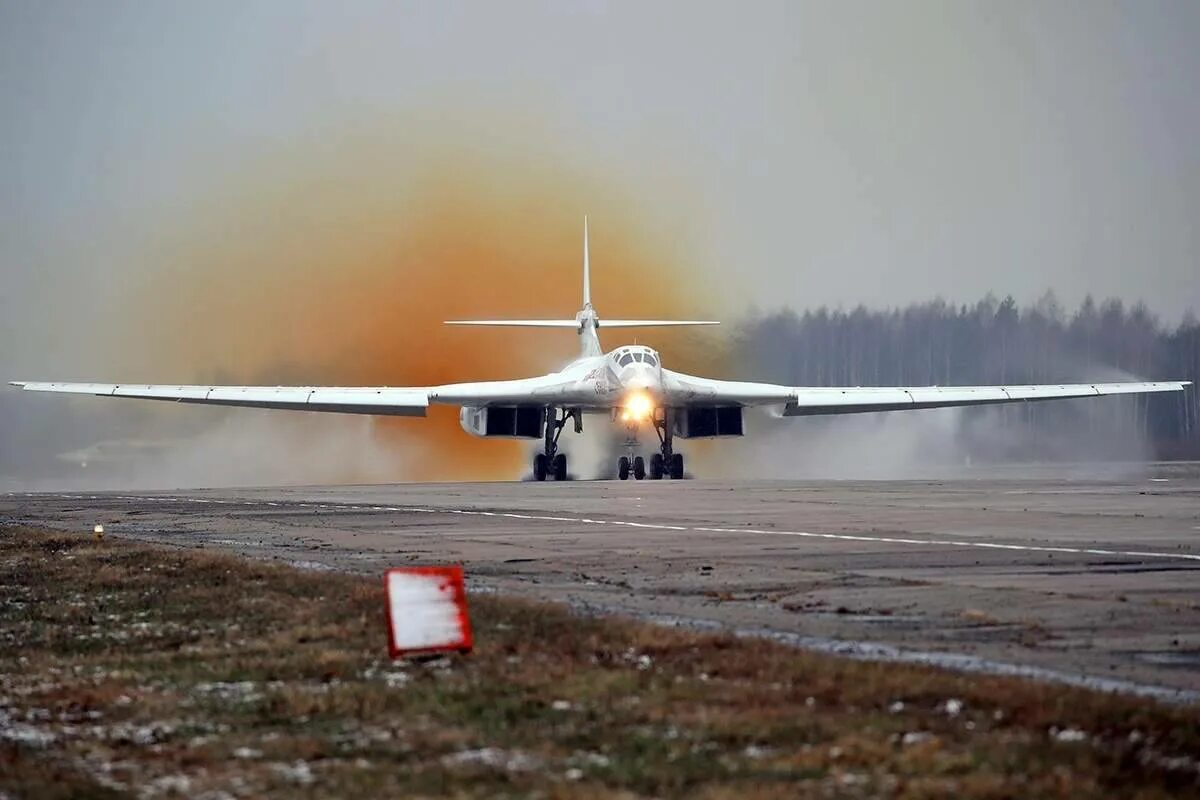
(658, 526)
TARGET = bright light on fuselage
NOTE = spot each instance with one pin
(638, 407)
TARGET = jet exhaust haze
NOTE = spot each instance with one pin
(337, 266)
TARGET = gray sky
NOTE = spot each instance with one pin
(836, 152)
(790, 153)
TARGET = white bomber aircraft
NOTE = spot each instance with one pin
(629, 384)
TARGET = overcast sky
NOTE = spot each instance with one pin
(833, 152)
(794, 153)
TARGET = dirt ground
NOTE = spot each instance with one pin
(135, 670)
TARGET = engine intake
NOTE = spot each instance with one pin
(697, 422)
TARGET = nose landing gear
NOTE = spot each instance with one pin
(664, 464)
(635, 466)
(551, 463)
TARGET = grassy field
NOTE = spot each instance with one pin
(131, 670)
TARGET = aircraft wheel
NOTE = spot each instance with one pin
(560, 467)
(639, 468)
(656, 467)
(623, 468)
(539, 467)
(677, 466)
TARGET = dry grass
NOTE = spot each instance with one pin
(127, 669)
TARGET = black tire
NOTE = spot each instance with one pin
(677, 466)
(539, 467)
(656, 467)
(560, 467)
(623, 468)
(639, 467)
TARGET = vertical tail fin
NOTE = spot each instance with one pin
(587, 267)
(587, 322)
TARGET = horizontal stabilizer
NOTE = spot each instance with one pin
(574, 323)
(518, 323)
(653, 323)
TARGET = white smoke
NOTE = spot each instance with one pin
(238, 448)
(1088, 438)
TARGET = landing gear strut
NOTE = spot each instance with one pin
(665, 463)
(551, 463)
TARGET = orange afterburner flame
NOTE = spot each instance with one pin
(638, 407)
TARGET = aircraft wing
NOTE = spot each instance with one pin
(858, 399)
(405, 402)
(805, 401)
(681, 390)
(381, 400)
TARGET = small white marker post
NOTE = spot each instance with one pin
(427, 611)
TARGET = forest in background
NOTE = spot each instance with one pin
(997, 342)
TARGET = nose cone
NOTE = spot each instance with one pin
(642, 377)
(638, 369)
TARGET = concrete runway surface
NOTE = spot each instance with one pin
(1050, 569)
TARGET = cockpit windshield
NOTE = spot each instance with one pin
(639, 355)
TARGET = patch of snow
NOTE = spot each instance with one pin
(591, 759)
(298, 772)
(314, 566)
(1068, 735)
(234, 691)
(496, 758)
(952, 707)
(396, 680)
(180, 784)
(754, 751)
(27, 735)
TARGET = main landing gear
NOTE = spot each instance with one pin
(666, 463)
(551, 463)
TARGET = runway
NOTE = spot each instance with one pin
(1062, 569)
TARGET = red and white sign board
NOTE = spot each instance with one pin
(427, 611)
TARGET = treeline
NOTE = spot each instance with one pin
(992, 342)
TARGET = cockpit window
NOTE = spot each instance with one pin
(641, 356)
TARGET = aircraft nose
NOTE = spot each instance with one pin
(642, 377)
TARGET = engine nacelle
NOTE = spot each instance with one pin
(503, 422)
(697, 422)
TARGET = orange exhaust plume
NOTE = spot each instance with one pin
(337, 265)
